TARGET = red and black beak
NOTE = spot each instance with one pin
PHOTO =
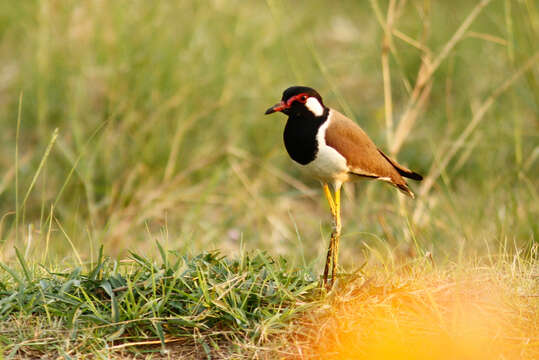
(277, 107)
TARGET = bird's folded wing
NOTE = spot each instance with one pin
(362, 155)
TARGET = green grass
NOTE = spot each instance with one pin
(128, 123)
(205, 303)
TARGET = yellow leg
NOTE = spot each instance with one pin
(336, 234)
(329, 256)
(330, 199)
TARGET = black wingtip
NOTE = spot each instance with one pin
(412, 175)
(403, 171)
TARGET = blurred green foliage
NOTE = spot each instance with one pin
(159, 107)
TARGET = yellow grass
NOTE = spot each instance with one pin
(472, 312)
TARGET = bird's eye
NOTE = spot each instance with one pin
(304, 98)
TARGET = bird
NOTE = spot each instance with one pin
(334, 149)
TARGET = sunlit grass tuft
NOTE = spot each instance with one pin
(467, 311)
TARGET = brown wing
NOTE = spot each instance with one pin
(362, 155)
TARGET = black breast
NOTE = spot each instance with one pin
(300, 137)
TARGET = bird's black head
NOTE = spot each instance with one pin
(300, 100)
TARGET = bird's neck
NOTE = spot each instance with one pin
(300, 135)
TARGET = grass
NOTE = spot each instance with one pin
(258, 307)
(416, 312)
(208, 304)
(129, 123)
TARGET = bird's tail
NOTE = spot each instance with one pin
(403, 188)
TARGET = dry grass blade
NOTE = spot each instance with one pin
(386, 74)
(409, 40)
(410, 115)
(487, 37)
(145, 343)
(40, 167)
(425, 73)
(295, 183)
(459, 34)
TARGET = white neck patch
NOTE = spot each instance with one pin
(314, 106)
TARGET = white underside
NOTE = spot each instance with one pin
(329, 166)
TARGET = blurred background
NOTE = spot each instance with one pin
(161, 135)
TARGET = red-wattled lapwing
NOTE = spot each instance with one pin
(334, 149)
